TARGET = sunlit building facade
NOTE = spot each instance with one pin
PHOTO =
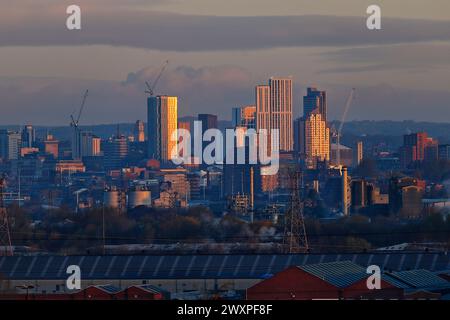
(162, 122)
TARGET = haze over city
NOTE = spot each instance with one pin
(218, 51)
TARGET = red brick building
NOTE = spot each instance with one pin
(335, 280)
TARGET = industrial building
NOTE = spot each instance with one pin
(187, 273)
(333, 280)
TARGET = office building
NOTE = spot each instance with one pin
(444, 152)
(28, 136)
(162, 123)
(315, 99)
(115, 152)
(90, 145)
(244, 117)
(51, 146)
(10, 145)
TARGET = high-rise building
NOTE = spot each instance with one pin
(262, 99)
(313, 139)
(358, 153)
(444, 151)
(315, 99)
(162, 122)
(244, 117)
(186, 125)
(76, 142)
(90, 145)
(418, 147)
(10, 144)
(431, 151)
(115, 152)
(139, 131)
(274, 110)
(209, 121)
(28, 136)
(281, 110)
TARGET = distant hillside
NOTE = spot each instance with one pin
(441, 131)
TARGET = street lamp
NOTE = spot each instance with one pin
(26, 287)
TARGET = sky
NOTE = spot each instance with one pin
(218, 51)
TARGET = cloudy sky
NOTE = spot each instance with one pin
(218, 51)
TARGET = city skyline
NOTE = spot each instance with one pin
(397, 70)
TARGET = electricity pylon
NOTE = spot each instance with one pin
(5, 235)
(295, 239)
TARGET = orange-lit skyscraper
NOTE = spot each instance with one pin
(162, 123)
(314, 138)
(274, 110)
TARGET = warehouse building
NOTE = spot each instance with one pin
(186, 273)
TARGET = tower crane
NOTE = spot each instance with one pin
(151, 88)
(74, 122)
(341, 124)
(76, 140)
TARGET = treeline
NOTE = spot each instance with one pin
(63, 231)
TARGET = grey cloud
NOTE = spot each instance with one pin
(176, 32)
(52, 100)
(401, 56)
(207, 89)
(385, 102)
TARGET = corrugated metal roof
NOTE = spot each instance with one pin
(395, 282)
(108, 288)
(237, 266)
(340, 274)
(420, 279)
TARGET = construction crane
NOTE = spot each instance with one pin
(341, 124)
(151, 88)
(74, 122)
(76, 140)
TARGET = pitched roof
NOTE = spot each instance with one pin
(420, 279)
(340, 274)
(107, 288)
